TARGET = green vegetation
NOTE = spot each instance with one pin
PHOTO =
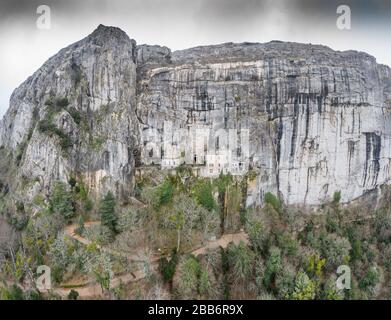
(73, 295)
(273, 201)
(165, 192)
(337, 197)
(61, 201)
(46, 125)
(75, 114)
(168, 267)
(203, 195)
(291, 252)
(107, 212)
(240, 259)
(97, 143)
(49, 128)
(62, 102)
(186, 286)
(304, 287)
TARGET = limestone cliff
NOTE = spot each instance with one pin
(76, 116)
(308, 120)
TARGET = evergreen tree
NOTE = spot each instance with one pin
(304, 287)
(61, 201)
(107, 212)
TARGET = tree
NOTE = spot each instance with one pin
(99, 264)
(256, 231)
(205, 286)
(273, 265)
(185, 216)
(337, 197)
(369, 282)
(73, 295)
(304, 287)
(285, 280)
(107, 212)
(166, 192)
(335, 249)
(240, 259)
(178, 219)
(60, 256)
(12, 293)
(167, 267)
(186, 278)
(204, 196)
(61, 201)
(331, 292)
(273, 201)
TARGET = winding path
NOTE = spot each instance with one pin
(94, 289)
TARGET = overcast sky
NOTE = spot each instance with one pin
(180, 24)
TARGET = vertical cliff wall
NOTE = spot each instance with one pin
(75, 116)
(318, 121)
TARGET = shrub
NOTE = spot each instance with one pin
(187, 282)
(335, 249)
(285, 280)
(288, 245)
(62, 102)
(46, 126)
(49, 102)
(88, 205)
(273, 265)
(75, 114)
(256, 233)
(205, 286)
(222, 182)
(97, 143)
(204, 196)
(73, 295)
(72, 182)
(12, 293)
(19, 223)
(304, 287)
(331, 292)
(240, 259)
(337, 197)
(166, 192)
(20, 206)
(370, 280)
(167, 268)
(273, 201)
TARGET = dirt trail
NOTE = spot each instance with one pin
(94, 289)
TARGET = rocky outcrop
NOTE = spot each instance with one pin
(75, 116)
(319, 121)
(308, 120)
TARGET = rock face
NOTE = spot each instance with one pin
(96, 125)
(309, 120)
